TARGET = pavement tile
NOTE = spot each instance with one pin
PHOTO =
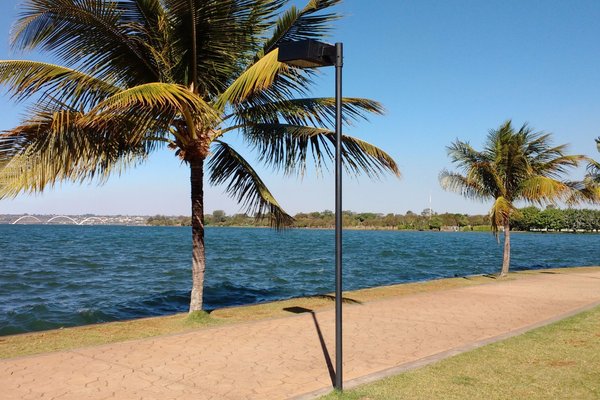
(284, 358)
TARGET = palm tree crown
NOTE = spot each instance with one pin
(515, 165)
(594, 170)
(140, 75)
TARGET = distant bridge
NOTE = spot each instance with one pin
(25, 217)
(63, 217)
(66, 219)
(92, 219)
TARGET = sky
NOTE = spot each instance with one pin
(444, 70)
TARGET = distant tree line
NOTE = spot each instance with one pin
(528, 219)
(557, 220)
(426, 220)
(162, 220)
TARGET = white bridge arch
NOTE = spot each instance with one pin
(25, 217)
(90, 219)
(62, 216)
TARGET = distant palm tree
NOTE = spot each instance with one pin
(513, 166)
(141, 75)
(594, 167)
(588, 189)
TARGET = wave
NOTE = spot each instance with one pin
(52, 277)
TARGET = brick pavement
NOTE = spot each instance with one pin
(291, 357)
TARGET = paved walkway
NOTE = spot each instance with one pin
(290, 357)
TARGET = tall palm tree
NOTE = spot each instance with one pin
(515, 165)
(140, 75)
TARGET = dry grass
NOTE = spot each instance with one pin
(70, 338)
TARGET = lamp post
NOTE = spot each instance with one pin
(313, 54)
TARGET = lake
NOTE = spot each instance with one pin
(64, 275)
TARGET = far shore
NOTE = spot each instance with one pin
(530, 219)
(477, 229)
(377, 228)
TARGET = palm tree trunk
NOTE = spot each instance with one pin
(198, 256)
(506, 258)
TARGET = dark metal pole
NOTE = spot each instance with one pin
(339, 62)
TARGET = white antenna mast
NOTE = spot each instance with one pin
(430, 209)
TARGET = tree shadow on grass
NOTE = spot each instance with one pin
(302, 310)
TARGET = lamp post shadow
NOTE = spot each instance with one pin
(302, 310)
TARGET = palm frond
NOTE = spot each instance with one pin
(540, 189)
(584, 191)
(256, 79)
(593, 167)
(496, 138)
(162, 99)
(308, 111)
(149, 14)
(89, 34)
(54, 146)
(477, 166)
(27, 78)
(227, 165)
(487, 177)
(461, 184)
(500, 214)
(308, 23)
(292, 25)
(593, 170)
(288, 85)
(559, 164)
(286, 147)
(364, 157)
(148, 23)
(227, 35)
(464, 155)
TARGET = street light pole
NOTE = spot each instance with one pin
(339, 63)
(313, 54)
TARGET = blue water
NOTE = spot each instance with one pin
(55, 276)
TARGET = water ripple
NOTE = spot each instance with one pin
(55, 276)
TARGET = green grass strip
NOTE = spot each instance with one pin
(558, 361)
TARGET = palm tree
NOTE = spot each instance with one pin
(514, 166)
(588, 189)
(594, 168)
(140, 75)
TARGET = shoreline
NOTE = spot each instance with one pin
(346, 228)
(110, 332)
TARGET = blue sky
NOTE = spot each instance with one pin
(442, 69)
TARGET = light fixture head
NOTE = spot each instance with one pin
(307, 54)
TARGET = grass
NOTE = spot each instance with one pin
(480, 228)
(558, 361)
(90, 335)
